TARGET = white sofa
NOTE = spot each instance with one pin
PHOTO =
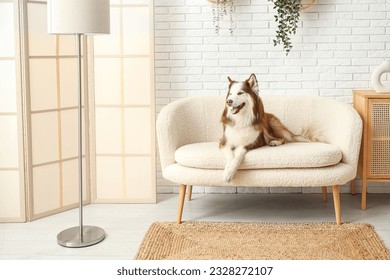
(188, 132)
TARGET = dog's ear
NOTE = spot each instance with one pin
(230, 80)
(252, 81)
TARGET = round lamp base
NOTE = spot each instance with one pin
(71, 237)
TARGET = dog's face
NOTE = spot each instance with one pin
(241, 94)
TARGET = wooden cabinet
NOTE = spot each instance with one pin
(374, 160)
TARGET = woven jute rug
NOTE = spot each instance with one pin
(261, 241)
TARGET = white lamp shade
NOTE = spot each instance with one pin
(78, 16)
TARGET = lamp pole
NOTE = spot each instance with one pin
(81, 236)
(80, 135)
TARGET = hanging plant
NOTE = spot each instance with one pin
(287, 17)
(221, 9)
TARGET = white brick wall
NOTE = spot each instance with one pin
(337, 45)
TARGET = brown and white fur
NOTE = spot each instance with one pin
(246, 126)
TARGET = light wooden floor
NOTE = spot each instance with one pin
(126, 225)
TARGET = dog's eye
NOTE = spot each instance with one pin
(241, 92)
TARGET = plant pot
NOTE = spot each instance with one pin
(306, 4)
(376, 83)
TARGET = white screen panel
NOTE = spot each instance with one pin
(137, 81)
(9, 142)
(46, 188)
(138, 178)
(107, 81)
(68, 82)
(136, 31)
(138, 135)
(40, 42)
(43, 84)
(69, 133)
(108, 131)
(70, 182)
(7, 86)
(124, 106)
(7, 36)
(10, 194)
(44, 137)
(109, 177)
(67, 45)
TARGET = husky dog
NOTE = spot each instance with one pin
(246, 126)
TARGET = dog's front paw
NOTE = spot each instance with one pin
(274, 143)
(228, 176)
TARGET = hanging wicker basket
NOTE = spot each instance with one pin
(307, 4)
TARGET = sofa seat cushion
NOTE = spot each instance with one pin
(207, 155)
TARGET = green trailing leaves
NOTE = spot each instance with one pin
(220, 9)
(287, 17)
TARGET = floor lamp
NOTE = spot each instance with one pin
(79, 17)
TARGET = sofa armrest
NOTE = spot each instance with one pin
(171, 133)
(187, 121)
(342, 126)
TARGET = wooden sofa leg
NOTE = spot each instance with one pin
(325, 194)
(182, 196)
(353, 186)
(189, 194)
(336, 201)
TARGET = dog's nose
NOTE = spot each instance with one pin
(229, 102)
